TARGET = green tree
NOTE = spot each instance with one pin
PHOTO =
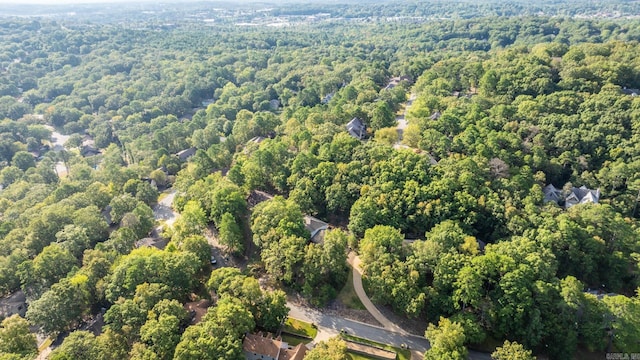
(381, 246)
(512, 351)
(382, 116)
(282, 259)
(272, 310)
(325, 265)
(53, 263)
(79, 345)
(121, 205)
(74, 239)
(230, 234)
(218, 336)
(23, 160)
(125, 318)
(16, 338)
(388, 136)
(274, 219)
(447, 341)
(161, 332)
(332, 349)
(197, 245)
(192, 221)
(227, 198)
(624, 321)
(61, 306)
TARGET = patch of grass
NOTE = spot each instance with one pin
(354, 356)
(488, 345)
(293, 340)
(401, 354)
(348, 295)
(45, 344)
(301, 328)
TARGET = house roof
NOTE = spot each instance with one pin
(632, 92)
(297, 353)
(88, 150)
(159, 243)
(582, 195)
(257, 139)
(186, 153)
(356, 128)
(572, 197)
(258, 344)
(257, 196)
(551, 193)
(315, 227)
(327, 98)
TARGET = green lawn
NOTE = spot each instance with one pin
(401, 354)
(293, 340)
(45, 344)
(297, 327)
(348, 296)
(354, 356)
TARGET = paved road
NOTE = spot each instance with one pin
(163, 211)
(417, 344)
(331, 326)
(354, 260)
(401, 120)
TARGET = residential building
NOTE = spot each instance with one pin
(570, 197)
(357, 128)
(259, 347)
(581, 195)
(185, 154)
(316, 228)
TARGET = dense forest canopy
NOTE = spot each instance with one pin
(463, 219)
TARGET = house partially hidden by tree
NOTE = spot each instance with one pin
(570, 197)
(15, 303)
(185, 154)
(316, 228)
(395, 81)
(89, 150)
(357, 128)
(158, 243)
(259, 347)
(327, 98)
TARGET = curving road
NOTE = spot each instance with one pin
(354, 261)
(417, 344)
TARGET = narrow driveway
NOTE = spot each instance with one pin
(401, 120)
(354, 261)
(163, 211)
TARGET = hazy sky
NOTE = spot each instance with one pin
(53, 2)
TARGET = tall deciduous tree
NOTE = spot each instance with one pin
(78, 345)
(332, 349)
(16, 338)
(230, 234)
(447, 341)
(512, 351)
